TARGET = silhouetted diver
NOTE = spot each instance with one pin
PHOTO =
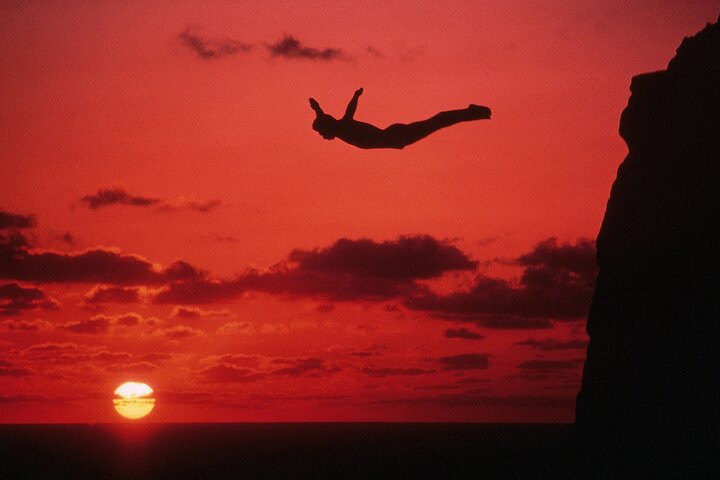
(398, 135)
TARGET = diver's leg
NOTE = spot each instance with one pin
(451, 117)
(399, 135)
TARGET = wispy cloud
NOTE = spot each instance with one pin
(291, 47)
(118, 195)
(302, 367)
(181, 311)
(98, 324)
(102, 323)
(208, 49)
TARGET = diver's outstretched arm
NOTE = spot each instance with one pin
(316, 106)
(352, 106)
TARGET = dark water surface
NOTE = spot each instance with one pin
(287, 450)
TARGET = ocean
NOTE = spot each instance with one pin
(286, 450)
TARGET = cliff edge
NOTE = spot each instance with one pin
(650, 397)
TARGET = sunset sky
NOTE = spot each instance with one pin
(167, 214)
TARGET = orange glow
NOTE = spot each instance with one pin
(173, 217)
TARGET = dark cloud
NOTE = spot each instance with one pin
(334, 286)
(212, 49)
(222, 373)
(510, 322)
(117, 196)
(100, 295)
(467, 361)
(463, 333)
(391, 372)
(305, 367)
(553, 344)
(15, 220)
(90, 266)
(14, 299)
(542, 365)
(557, 283)
(407, 258)
(563, 259)
(97, 324)
(106, 197)
(347, 270)
(291, 47)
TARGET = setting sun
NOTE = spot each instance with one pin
(134, 400)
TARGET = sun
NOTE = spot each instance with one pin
(134, 400)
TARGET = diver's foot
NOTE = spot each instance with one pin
(479, 111)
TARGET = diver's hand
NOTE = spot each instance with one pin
(358, 92)
(314, 104)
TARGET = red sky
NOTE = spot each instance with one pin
(319, 281)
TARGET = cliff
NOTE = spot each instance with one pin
(650, 397)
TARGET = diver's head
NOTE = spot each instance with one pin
(326, 126)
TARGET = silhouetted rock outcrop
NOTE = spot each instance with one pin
(650, 399)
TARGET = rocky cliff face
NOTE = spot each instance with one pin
(650, 398)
